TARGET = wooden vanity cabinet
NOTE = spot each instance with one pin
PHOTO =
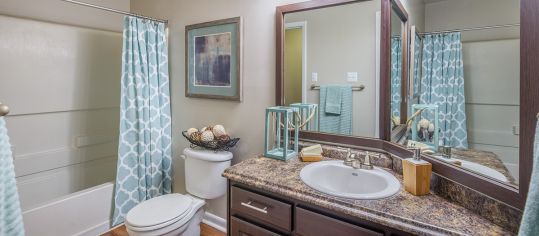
(255, 212)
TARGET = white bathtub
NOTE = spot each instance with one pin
(86, 212)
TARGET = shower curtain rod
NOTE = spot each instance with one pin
(116, 11)
(472, 29)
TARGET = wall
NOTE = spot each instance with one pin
(333, 51)
(491, 67)
(61, 81)
(245, 119)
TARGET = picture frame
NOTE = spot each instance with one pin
(213, 60)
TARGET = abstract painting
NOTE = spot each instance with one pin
(213, 60)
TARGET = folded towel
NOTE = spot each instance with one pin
(10, 210)
(341, 123)
(334, 100)
(529, 226)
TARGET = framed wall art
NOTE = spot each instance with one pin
(213, 60)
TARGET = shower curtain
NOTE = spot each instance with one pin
(396, 71)
(144, 154)
(442, 84)
(10, 209)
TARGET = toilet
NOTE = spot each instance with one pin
(181, 214)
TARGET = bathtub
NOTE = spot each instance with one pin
(85, 213)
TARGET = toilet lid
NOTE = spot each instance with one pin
(159, 210)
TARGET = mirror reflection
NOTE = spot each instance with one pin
(464, 96)
(397, 29)
(330, 67)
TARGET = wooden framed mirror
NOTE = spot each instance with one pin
(528, 98)
(326, 55)
(468, 131)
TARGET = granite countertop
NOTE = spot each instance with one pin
(425, 215)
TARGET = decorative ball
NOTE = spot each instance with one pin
(197, 136)
(223, 138)
(218, 131)
(431, 128)
(209, 127)
(424, 123)
(207, 136)
(191, 131)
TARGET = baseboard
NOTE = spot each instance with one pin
(214, 221)
(97, 229)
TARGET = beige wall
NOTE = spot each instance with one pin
(245, 119)
(342, 39)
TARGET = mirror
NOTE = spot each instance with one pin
(329, 67)
(398, 75)
(464, 81)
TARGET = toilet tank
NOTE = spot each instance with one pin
(203, 170)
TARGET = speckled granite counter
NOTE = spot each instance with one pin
(427, 215)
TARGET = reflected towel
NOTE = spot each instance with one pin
(336, 123)
(10, 210)
(334, 99)
(529, 225)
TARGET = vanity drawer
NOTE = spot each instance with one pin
(262, 209)
(241, 228)
(309, 223)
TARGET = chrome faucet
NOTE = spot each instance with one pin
(349, 160)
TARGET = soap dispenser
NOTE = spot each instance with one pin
(416, 174)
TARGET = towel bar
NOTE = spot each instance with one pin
(354, 88)
(4, 109)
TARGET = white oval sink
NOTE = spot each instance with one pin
(335, 178)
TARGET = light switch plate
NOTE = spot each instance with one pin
(351, 77)
(314, 77)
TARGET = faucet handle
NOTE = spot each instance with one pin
(367, 162)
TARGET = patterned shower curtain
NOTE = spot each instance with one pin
(144, 152)
(442, 84)
(396, 71)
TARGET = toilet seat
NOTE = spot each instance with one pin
(161, 212)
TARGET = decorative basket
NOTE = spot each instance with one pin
(215, 145)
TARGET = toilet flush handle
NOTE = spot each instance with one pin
(183, 156)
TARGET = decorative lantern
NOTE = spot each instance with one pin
(425, 127)
(280, 123)
(308, 113)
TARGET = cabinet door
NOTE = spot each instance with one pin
(309, 223)
(241, 228)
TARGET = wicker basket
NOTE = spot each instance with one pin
(212, 145)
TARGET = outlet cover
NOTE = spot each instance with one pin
(351, 77)
(314, 77)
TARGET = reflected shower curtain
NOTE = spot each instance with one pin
(144, 152)
(396, 71)
(442, 84)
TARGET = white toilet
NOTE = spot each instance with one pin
(181, 214)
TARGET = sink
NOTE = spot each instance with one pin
(335, 178)
(477, 168)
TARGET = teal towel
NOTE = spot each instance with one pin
(334, 100)
(530, 219)
(336, 123)
(10, 209)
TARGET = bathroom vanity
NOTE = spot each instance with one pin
(267, 197)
